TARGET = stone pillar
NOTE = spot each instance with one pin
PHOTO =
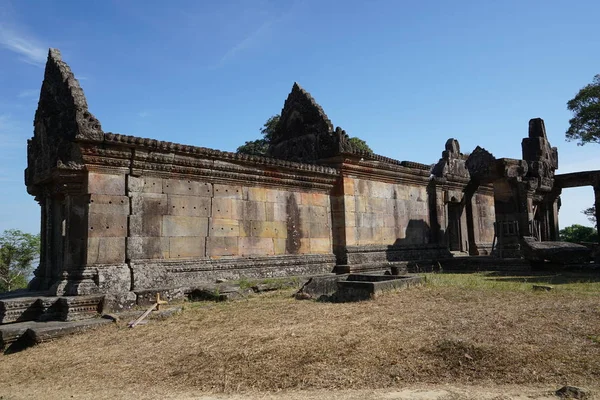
(597, 203)
(436, 212)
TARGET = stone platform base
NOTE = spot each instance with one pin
(44, 308)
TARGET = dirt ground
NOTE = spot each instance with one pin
(464, 338)
(425, 392)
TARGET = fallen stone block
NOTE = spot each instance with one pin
(43, 331)
(555, 252)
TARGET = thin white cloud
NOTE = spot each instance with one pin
(252, 40)
(17, 40)
(30, 93)
(144, 114)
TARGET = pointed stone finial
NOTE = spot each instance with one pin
(62, 118)
(304, 133)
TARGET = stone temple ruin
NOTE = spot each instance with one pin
(121, 215)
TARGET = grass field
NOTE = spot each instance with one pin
(469, 329)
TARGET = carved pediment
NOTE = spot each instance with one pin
(62, 117)
(304, 132)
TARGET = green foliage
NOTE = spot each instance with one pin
(578, 233)
(359, 144)
(585, 124)
(270, 127)
(18, 251)
(259, 147)
(590, 213)
(256, 147)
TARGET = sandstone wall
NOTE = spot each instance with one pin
(381, 213)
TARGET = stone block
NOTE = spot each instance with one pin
(268, 229)
(279, 212)
(361, 204)
(304, 246)
(144, 184)
(175, 225)
(365, 235)
(270, 212)
(349, 186)
(187, 247)
(106, 184)
(255, 194)
(389, 221)
(222, 246)
(388, 235)
(187, 187)
(105, 204)
(224, 227)
(351, 236)
(369, 220)
(279, 246)
(149, 204)
(192, 206)
(277, 196)
(254, 211)
(115, 278)
(107, 225)
(320, 230)
(145, 225)
(254, 246)
(227, 208)
(106, 250)
(147, 248)
(381, 190)
(227, 191)
(349, 204)
(352, 218)
(320, 246)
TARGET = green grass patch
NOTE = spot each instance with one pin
(565, 281)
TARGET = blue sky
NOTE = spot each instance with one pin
(404, 76)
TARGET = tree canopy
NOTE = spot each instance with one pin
(259, 147)
(578, 234)
(585, 106)
(18, 251)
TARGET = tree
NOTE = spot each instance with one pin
(18, 251)
(578, 233)
(360, 144)
(585, 124)
(259, 147)
(590, 213)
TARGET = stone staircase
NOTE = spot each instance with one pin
(34, 317)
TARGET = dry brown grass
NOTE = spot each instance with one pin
(436, 334)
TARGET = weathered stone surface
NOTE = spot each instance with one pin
(103, 204)
(186, 187)
(187, 247)
(106, 184)
(149, 204)
(176, 225)
(106, 250)
(147, 247)
(107, 225)
(555, 252)
(190, 206)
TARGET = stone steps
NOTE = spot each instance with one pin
(45, 308)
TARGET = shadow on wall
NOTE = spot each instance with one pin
(417, 233)
(417, 245)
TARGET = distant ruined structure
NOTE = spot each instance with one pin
(120, 214)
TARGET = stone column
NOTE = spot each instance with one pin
(597, 203)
